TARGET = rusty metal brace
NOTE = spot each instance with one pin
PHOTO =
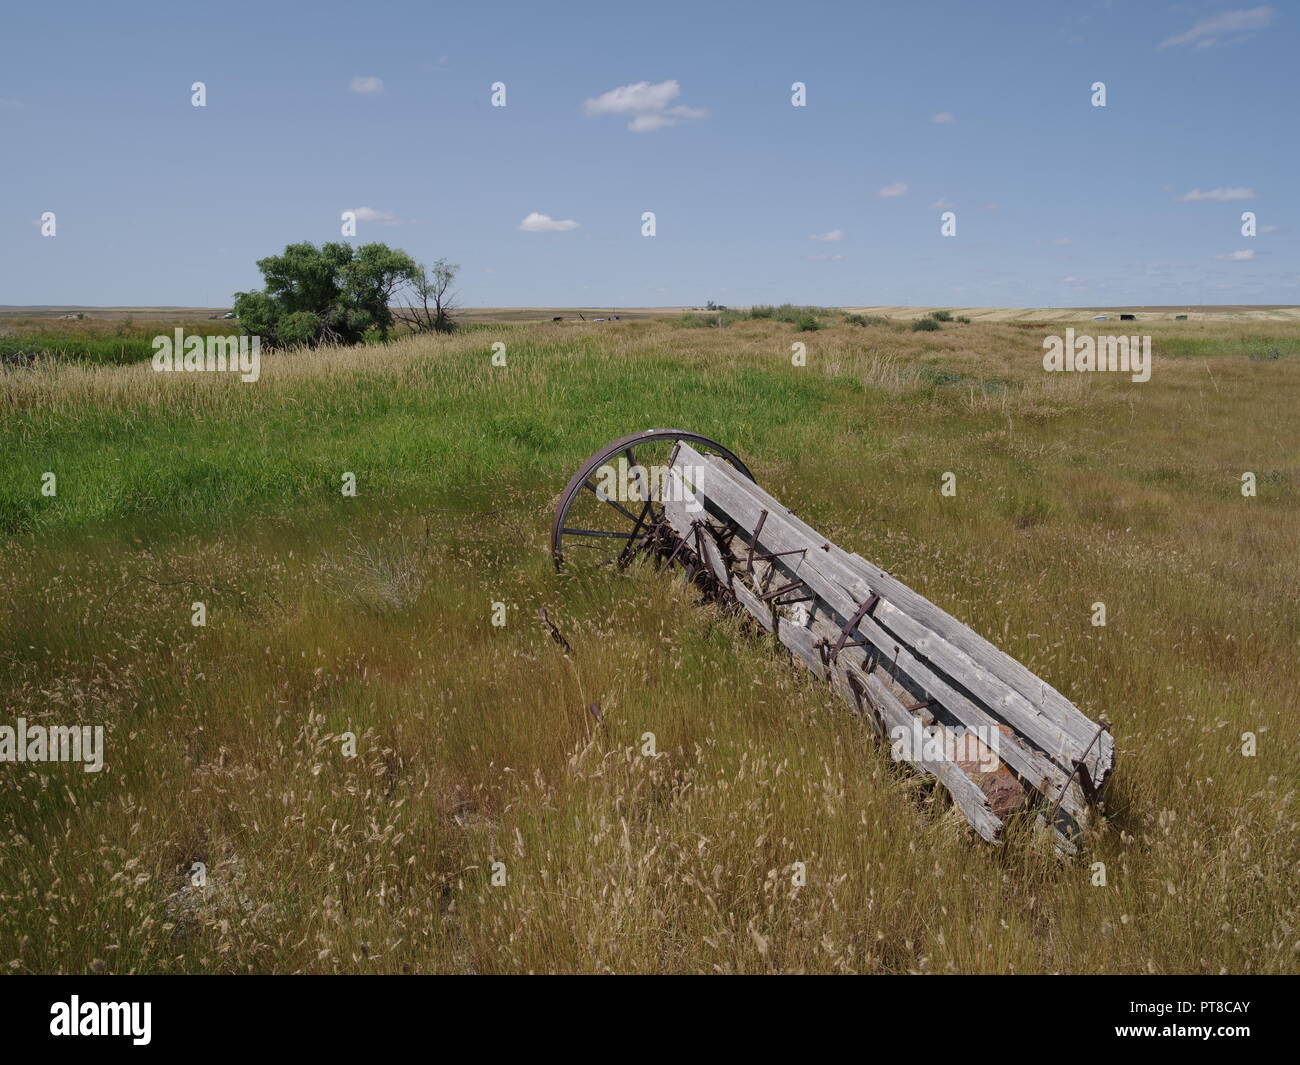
(861, 612)
(777, 554)
(866, 705)
(698, 565)
(1085, 780)
(753, 542)
(705, 566)
(626, 554)
(792, 586)
(676, 550)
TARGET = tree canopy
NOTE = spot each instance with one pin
(332, 294)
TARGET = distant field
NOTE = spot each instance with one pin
(1271, 312)
(1277, 313)
(371, 615)
(96, 340)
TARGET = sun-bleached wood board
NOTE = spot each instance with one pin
(968, 679)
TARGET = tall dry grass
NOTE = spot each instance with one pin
(766, 832)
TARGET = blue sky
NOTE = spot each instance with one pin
(313, 109)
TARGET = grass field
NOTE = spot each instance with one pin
(372, 615)
(95, 341)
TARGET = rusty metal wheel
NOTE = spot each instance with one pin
(590, 520)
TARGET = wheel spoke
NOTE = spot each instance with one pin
(611, 502)
(642, 473)
(598, 532)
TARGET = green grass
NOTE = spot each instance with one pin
(93, 343)
(372, 615)
(1255, 346)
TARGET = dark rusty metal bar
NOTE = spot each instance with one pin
(863, 610)
(783, 589)
(598, 532)
(777, 554)
(609, 502)
(556, 634)
(753, 543)
(626, 554)
(1089, 791)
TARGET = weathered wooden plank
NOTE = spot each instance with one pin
(985, 657)
(684, 521)
(744, 502)
(803, 642)
(1011, 683)
(919, 618)
(839, 589)
(886, 711)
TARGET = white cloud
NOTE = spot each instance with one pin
(1239, 256)
(1061, 241)
(370, 214)
(544, 223)
(1268, 229)
(1205, 33)
(944, 118)
(634, 99)
(942, 204)
(834, 234)
(824, 258)
(1221, 195)
(647, 103)
(366, 85)
(9, 104)
(898, 188)
(650, 123)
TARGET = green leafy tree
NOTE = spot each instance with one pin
(333, 294)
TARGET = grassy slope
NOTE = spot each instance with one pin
(372, 615)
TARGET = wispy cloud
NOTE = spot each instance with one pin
(942, 204)
(647, 103)
(943, 118)
(366, 85)
(1061, 242)
(1206, 33)
(9, 104)
(370, 214)
(544, 223)
(1218, 195)
(898, 188)
(823, 257)
(1239, 256)
(834, 234)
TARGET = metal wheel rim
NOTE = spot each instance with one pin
(581, 479)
